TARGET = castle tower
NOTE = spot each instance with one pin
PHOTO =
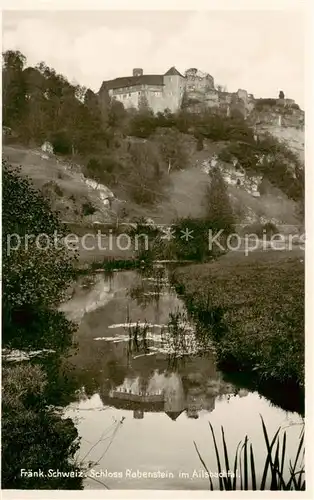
(137, 72)
(138, 414)
(174, 396)
(174, 84)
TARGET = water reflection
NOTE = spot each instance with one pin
(171, 392)
(140, 357)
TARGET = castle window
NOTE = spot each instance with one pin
(129, 95)
(139, 93)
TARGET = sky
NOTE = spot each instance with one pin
(260, 51)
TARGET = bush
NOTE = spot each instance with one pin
(88, 209)
(62, 143)
(221, 128)
(52, 186)
(200, 143)
(225, 155)
(191, 239)
(34, 438)
(104, 169)
(260, 230)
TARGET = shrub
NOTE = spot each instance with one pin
(52, 186)
(200, 143)
(258, 229)
(225, 155)
(34, 438)
(88, 209)
(191, 239)
(62, 143)
(104, 169)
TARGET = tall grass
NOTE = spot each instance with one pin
(244, 470)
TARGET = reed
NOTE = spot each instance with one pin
(243, 476)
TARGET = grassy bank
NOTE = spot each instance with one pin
(253, 307)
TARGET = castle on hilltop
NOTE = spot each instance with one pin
(196, 91)
(168, 91)
(158, 92)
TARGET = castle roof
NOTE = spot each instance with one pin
(131, 81)
(173, 71)
(126, 404)
(173, 414)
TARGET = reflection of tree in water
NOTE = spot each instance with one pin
(64, 382)
(153, 284)
(138, 338)
(92, 377)
(138, 293)
(137, 333)
(176, 363)
(179, 335)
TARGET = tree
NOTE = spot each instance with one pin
(13, 92)
(217, 204)
(281, 95)
(173, 149)
(185, 100)
(143, 124)
(35, 277)
(104, 103)
(116, 114)
(36, 116)
(36, 272)
(145, 174)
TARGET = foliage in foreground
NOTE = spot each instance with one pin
(34, 437)
(274, 475)
(35, 275)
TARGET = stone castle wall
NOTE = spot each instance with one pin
(199, 91)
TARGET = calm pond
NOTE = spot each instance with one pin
(150, 387)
